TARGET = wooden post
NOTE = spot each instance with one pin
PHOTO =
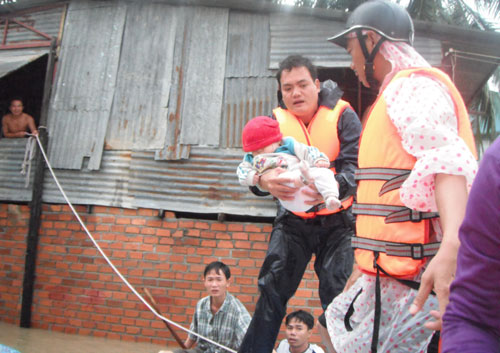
(36, 199)
(32, 239)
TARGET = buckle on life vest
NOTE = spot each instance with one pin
(417, 251)
(415, 216)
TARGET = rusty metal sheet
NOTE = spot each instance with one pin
(140, 105)
(206, 183)
(108, 186)
(173, 149)
(203, 80)
(88, 64)
(245, 98)
(248, 45)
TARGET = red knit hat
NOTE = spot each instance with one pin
(260, 132)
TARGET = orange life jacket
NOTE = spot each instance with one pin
(321, 133)
(383, 167)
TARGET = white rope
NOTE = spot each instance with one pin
(29, 153)
(113, 266)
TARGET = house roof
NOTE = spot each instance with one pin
(469, 56)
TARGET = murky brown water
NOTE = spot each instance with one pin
(34, 340)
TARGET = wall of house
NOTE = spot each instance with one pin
(76, 291)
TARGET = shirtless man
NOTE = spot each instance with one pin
(17, 122)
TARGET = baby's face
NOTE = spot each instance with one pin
(268, 149)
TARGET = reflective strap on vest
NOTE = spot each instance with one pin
(395, 177)
(392, 214)
(415, 251)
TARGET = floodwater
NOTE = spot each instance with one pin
(33, 340)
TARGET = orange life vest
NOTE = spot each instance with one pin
(383, 167)
(321, 133)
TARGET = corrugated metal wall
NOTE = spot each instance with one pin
(156, 85)
(81, 103)
(140, 105)
(11, 181)
(305, 35)
(245, 98)
(109, 186)
(203, 87)
(206, 183)
(250, 87)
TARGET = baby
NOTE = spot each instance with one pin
(267, 149)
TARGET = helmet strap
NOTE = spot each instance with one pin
(369, 57)
(370, 76)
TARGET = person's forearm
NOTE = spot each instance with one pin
(451, 199)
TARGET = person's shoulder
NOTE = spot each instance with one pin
(233, 299)
(315, 348)
(203, 302)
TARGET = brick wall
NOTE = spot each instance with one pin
(77, 292)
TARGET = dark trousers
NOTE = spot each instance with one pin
(292, 243)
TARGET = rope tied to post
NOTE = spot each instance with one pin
(127, 283)
(29, 154)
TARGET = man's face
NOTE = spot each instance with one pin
(300, 92)
(216, 284)
(297, 333)
(358, 60)
(16, 107)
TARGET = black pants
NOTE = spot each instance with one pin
(292, 243)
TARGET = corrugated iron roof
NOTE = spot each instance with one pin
(45, 20)
(12, 60)
(305, 35)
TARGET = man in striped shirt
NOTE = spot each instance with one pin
(220, 316)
